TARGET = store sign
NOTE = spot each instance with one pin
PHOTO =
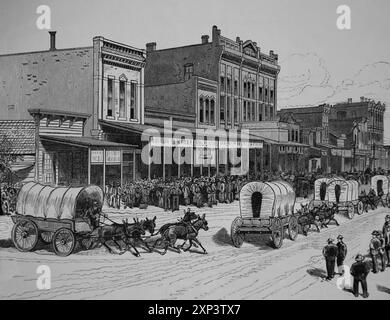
(223, 144)
(170, 142)
(342, 153)
(113, 156)
(96, 156)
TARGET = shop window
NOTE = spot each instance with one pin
(48, 168)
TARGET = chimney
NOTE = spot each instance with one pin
(52, 40)
(362, 99)
(238, 40)
(349, 100)
(216, 35)
(205, 39)
(151, 46)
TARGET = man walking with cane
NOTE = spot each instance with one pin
(341, 254)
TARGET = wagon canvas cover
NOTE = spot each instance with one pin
(43, 201)
(385, 183)
(275, 198)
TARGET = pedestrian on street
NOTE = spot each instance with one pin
(375, 245)
(341, 254)
(330, 254)
(386, 236)
(359, 271)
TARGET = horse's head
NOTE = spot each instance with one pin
(201, 223)
(149, 225)
(189, 215)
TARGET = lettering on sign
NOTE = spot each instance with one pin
(113, 156)
(97, 156)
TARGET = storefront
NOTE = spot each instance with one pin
(76, 161)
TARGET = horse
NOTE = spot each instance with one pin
(129, 233)
(185, 231)
(307, 218)
(327, 214)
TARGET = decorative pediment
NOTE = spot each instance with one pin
(250, 48)
(123, 77)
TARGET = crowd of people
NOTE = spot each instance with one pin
(378, 258)
(200, 191)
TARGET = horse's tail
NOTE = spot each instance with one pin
(164, 228)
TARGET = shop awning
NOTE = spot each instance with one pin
(86, 142)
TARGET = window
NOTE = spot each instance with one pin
(201, 110)
(48, 168)
(244, 111)
(253, 118)
(110, 90)
(253, 91)
(228, 108)
(341, 114)
(229, 85)
(248, 111)
(266, 111)
(133, 100)
(260, 93)
(212, 112)
(260, 114)
(296, 136)
(222, 84)
(289, 135)
(248, 86)
(292, 135)
(271, 95)
(235, 115)
(271, 111)
(207, 111)
(188, 71)
(235, 87)
(244, 89)
(222, 108)
(266, 94)
(122, 99)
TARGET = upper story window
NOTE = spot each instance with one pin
(261, 93)
(133, 100)
(222, 109)
(212, 112)
(122, 99)
(110, 97)
(341, 115)
(222, 84)
(188, 70)
(228, 85)
(235, 87)
(201, 110)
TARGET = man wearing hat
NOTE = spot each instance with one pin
(359, 271)
(375, 245)
(386, 236)
(330, 254)
(341, 254)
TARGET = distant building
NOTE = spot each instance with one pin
(362, 123)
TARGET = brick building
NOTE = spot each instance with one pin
(218, 84)
(71, 95)
(362, 123)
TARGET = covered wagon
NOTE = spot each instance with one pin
(265, 208)
(54, 215)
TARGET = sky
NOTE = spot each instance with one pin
(319, 62)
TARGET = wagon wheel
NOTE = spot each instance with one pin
(25, 235)
(350, 210)
(293, 228)
(237, 237)
(46, 236)
(360, 207)
(63, 242)
(277, 233)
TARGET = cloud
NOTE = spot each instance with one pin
(305, 81)
(304, 76)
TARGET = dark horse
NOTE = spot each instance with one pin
(128, 233)
(185, 231)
